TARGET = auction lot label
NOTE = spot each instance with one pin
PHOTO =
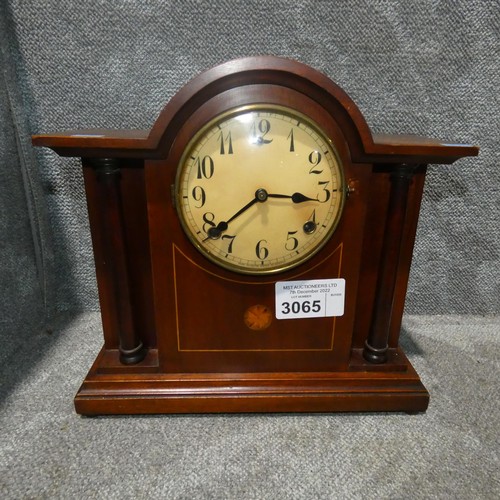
(310, 299)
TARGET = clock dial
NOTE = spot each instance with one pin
(259, 189)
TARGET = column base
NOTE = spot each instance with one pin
(133, 356)
(375, 355)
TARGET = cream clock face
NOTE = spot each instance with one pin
(260, 189)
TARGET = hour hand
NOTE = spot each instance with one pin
(295, 197)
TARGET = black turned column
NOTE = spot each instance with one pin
(108, 176)
(376, 346)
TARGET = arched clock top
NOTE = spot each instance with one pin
(237, 76)
(265, 71)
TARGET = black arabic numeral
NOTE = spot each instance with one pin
(263, 128)
(199, 195)
(312, 217)
(325, 190)
(292, 143)
(291, 242)
(223, 140)
(205, 167)
(314, 159)
(208, 219)
(261, 251)
(231, 241)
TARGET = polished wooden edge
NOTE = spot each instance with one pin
(412, 401)
(94, 139)
(136, 392)
(400, 140)
(413, 398)
(391, 144)
(143, 144)
(393, 149)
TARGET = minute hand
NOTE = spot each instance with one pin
(215, 231)
(239, 212)
(295, 197)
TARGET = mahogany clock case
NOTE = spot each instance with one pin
(202, 306)
(175, 334)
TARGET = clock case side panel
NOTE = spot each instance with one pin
(378, 200)
(132, 194)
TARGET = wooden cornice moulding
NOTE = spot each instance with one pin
(365, 146)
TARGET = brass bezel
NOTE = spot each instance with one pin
(264, 107)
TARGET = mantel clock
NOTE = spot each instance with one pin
(253, 249)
